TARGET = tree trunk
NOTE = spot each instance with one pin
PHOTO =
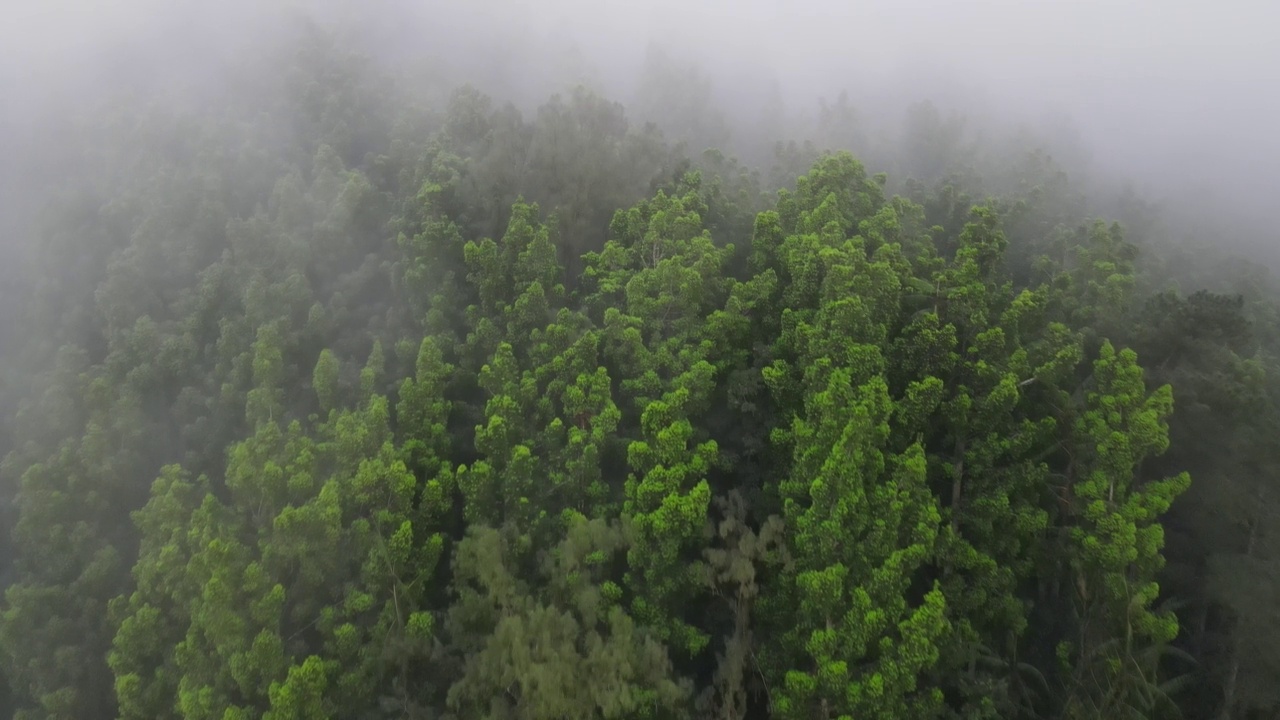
(1229, 687)
(957, 485)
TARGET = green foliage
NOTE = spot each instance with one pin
(1115, 541)
(458, 413)
(561, 648)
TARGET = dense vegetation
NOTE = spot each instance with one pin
(327, 404)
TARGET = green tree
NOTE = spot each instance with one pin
(1115, 542)
(563, 648)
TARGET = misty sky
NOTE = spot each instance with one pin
(1157, 88)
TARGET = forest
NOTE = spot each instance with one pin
(339, 392)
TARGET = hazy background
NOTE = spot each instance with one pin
(1178, 96)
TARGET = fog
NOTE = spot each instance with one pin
(1178, 97)
(265, 262)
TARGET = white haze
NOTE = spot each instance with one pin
(1179, 96)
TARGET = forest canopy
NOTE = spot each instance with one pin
(345, 393)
